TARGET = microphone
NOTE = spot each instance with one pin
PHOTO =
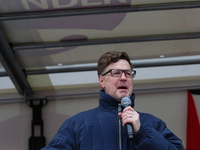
(125, 102)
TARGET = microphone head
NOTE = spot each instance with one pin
(125, 102)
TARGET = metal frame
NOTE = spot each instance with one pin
(132, 39)
(184, 60)
(193, 90)
(37, 142)
(137, 64)
(18, 76)
(101, 10)
(12, 68)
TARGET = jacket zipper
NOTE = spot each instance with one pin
(119, 126)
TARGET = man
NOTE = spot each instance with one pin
(100, 128)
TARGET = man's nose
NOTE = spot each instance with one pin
(123, 76)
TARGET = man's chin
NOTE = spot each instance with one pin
(122, 96)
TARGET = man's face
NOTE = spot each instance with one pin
(117, 87)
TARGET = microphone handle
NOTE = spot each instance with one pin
(129, 129)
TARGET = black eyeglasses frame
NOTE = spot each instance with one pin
(133, 72)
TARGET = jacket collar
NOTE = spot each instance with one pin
(108, 103)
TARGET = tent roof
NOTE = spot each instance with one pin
(41, 39)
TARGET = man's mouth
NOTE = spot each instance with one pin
(123, 87)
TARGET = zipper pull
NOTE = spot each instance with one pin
(119, 108)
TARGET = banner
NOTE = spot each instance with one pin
(193, 126)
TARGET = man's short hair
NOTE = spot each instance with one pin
(111, 57)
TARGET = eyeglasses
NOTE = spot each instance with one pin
(118, 73)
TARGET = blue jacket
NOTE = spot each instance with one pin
(97, 129)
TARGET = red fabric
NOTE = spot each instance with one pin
(193, 126)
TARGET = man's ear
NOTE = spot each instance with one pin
(101, 81)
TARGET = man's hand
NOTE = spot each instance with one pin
(129, 115)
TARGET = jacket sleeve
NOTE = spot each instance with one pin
(159, 138)
(64, 139)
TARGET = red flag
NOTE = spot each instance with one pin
(193, 126)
